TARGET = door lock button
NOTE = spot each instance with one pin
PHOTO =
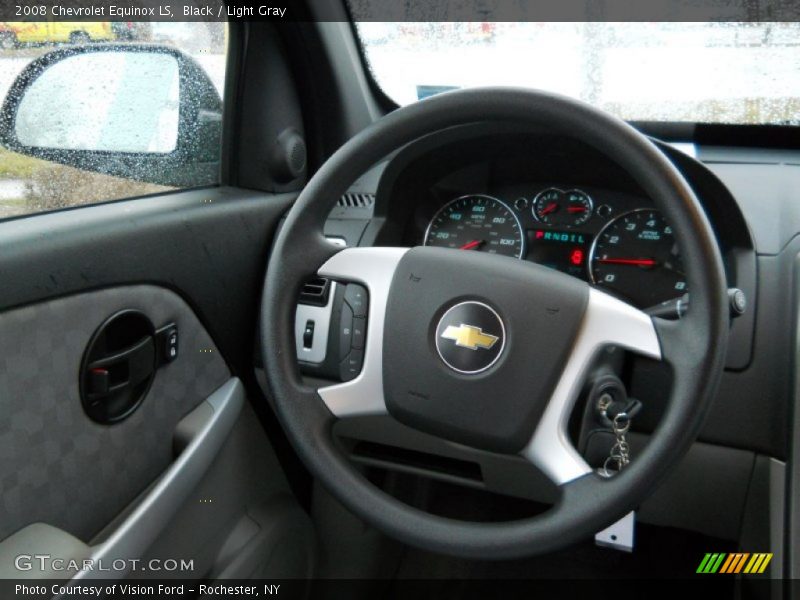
(169, 337)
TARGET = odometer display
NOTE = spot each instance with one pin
(477, 222)
(636, 256)
(564, 251)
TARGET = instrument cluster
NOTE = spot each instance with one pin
(613, 240)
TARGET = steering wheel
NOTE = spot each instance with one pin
(486, 351)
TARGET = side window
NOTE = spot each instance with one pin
(98, 111)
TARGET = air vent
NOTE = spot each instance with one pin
(315, 292)
(351, 200)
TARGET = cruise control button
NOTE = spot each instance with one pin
(345, 331)
(359, 332)
(351, 366)
(356, 296)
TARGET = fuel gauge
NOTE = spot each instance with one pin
(579, 207)
(562, 208)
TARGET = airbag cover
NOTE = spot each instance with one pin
(474, 344)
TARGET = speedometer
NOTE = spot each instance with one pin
(636, 256)
(477, 222)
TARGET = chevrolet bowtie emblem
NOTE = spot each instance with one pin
(468, 336)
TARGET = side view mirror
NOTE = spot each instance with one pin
(144, 112)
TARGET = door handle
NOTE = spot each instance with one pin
(121, 370)
(120, 362)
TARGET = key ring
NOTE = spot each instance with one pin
(618, 427)
(604, 472)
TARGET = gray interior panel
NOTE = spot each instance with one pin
(144, 523)
(241, 520)
(56, 465)
(763, 521)
(204, 430)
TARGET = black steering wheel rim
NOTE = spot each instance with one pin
(694, 346)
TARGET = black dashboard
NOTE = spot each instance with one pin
(410, 187)
(550, 200)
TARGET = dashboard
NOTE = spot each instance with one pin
(552, 200)
(531, 196)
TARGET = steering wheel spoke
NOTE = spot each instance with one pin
(374, 268)
(606, 322)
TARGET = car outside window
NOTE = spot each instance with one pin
(90, 117)
(715, 72)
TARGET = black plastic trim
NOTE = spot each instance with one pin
(394, 455)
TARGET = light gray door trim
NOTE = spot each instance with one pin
(203, 431)
(141, 528)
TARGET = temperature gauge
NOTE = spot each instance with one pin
(562, 208)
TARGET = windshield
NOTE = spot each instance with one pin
(695, 72)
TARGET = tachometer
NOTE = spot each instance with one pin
(477, 222)
(636, 256)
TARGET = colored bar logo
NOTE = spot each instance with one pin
(737, 562)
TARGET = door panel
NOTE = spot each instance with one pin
(193, 258)
(60, 467)
(210, 245)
